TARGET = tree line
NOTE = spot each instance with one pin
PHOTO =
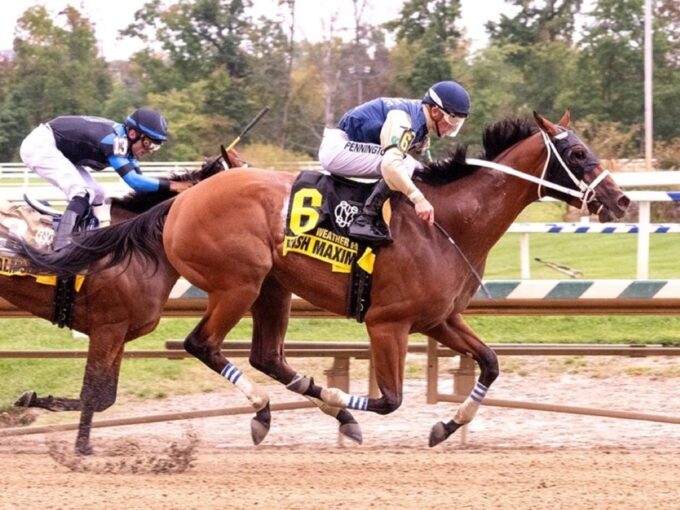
(210, 65)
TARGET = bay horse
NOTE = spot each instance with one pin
(110, 308)
(225, 236)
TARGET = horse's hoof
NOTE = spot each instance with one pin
(85, 449)
(259, 425)
(441, 431)
(27, 399)
(352, 431)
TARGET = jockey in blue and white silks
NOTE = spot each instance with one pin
(377, 140)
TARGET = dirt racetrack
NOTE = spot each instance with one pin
(513, 459)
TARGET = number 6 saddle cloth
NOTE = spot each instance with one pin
(320, 210)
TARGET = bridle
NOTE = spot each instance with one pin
(563, 141)
(585, 192)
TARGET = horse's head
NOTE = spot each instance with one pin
(573, 165)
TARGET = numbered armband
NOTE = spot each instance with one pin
(402, 143)
(406, 139)
(120, 146)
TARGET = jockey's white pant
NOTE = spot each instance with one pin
(39, 153)
(338, 155)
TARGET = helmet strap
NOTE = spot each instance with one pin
(432, 121)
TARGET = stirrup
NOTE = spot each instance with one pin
(373, 231)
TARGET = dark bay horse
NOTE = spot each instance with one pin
(112, 308)
(226, 237)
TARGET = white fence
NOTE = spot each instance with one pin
(15, 180)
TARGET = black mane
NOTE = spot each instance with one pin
(137, 202)
(496, 138)
(504, 134)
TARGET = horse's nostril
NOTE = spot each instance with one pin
(623, 202)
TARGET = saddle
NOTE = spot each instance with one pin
(34, 223)
(321, 209)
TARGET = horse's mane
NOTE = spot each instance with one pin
(496, 138)
(504, 134)
(137, 202)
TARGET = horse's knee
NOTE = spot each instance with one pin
(388, 403)
(488, 364)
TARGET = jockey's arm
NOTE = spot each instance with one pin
(397, 167)
(133, 177)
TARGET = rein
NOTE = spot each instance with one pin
(465, 259)
(585, 192)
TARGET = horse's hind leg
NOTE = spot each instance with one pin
(457, 335)
(270, 319)
(225, 309)
(389, 343)
(56, 404)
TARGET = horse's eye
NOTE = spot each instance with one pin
(578, 154)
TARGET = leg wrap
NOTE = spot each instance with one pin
(338, 398)
(325, 408)
(300, 384)
(468, 408)
(257, 397)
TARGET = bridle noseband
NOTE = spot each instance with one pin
(585, 192)
(563, 141)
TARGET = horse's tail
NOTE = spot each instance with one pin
(114, 245)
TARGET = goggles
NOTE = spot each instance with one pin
(454, 121)
(150, 144)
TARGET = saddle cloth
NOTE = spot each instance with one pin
(24, 222)
(320, 210)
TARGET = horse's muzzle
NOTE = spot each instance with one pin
(608, 209)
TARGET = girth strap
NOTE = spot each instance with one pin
(358, 293)
(64, 294)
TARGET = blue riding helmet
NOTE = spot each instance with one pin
(450, 97)
(148, 122)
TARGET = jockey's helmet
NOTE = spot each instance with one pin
(450, 97)
(148, 122)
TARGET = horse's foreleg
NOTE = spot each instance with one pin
(457, 335)
(205, 343)
(270, 320)
(100, 382)
(56, 404)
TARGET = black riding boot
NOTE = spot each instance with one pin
(368, 225)
(75, 212)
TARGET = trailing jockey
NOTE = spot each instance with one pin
(61, 150)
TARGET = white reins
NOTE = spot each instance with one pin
(587, 191)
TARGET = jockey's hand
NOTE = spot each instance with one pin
(425, 211)
(179, 186)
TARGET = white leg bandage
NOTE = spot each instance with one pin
(468, 408)
(257, 397)
(338, 398)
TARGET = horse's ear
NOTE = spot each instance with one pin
(546, 125)
(566, 118)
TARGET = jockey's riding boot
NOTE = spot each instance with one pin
(368, 225)
(75, 212)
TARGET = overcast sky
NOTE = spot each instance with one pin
(312, 16)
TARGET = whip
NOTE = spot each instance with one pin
(250, 125)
